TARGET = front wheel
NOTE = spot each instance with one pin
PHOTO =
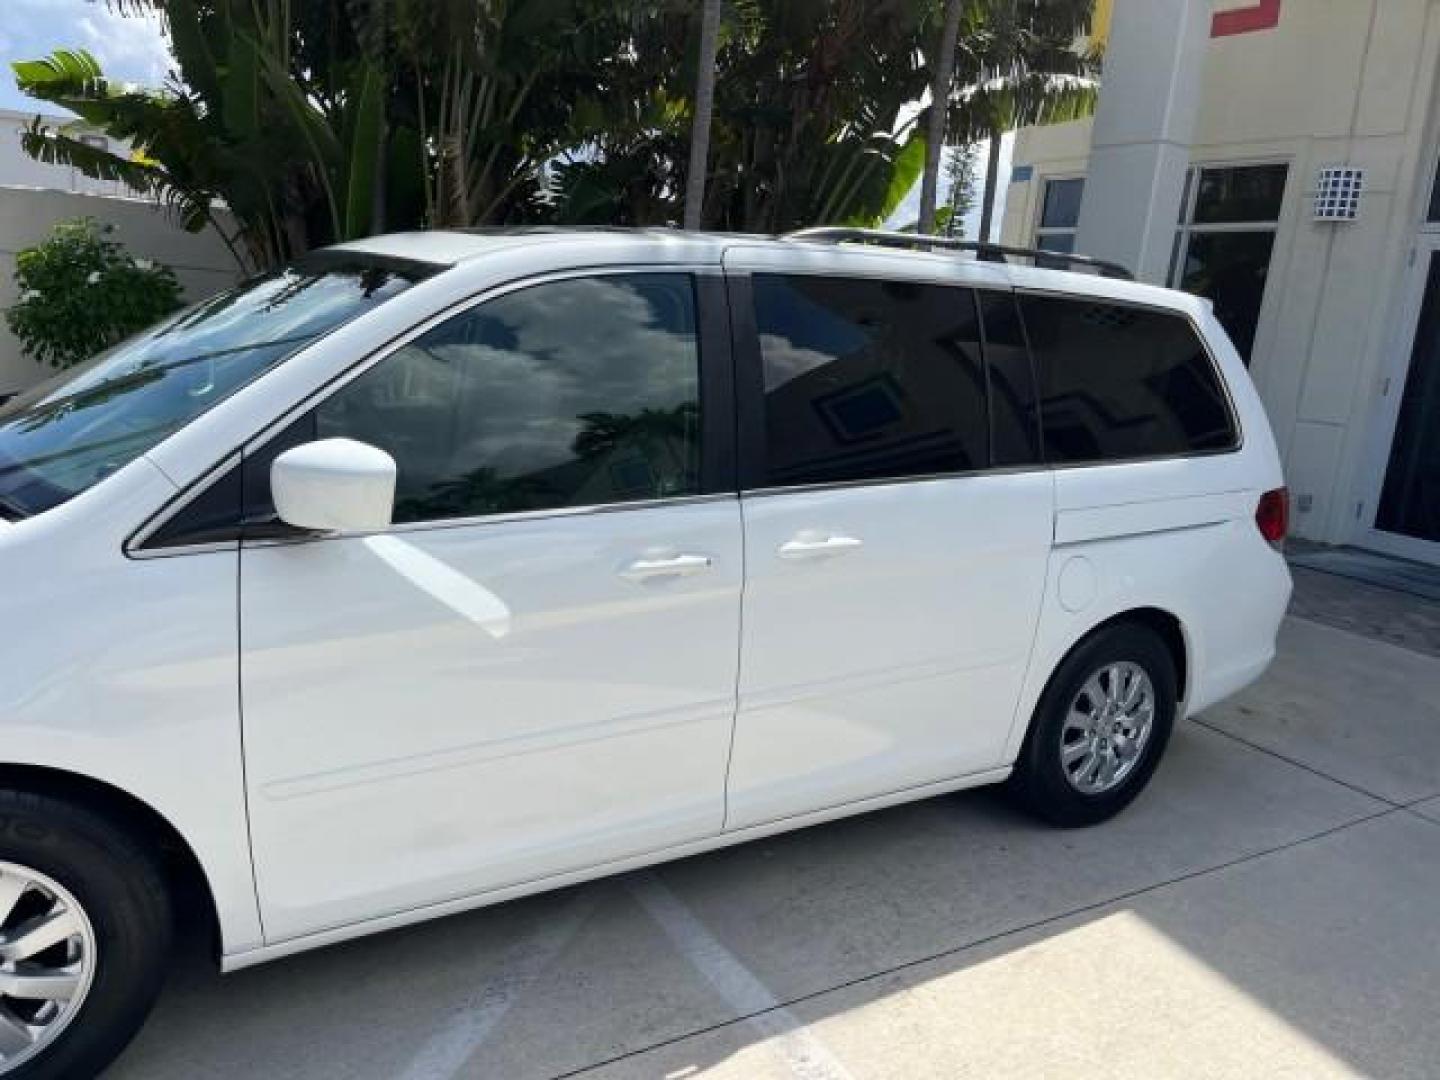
(84, 936)
(1099, 728)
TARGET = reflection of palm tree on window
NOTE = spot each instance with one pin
(479, 491)
(665, 438)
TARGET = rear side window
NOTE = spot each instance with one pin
(1118, 383)
(869, 379)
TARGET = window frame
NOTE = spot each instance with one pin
(1040, 229)
(1430, 225)
(749, 367)
(1186, 226)
(718, 457)
(1215, 369)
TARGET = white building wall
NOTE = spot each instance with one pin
(1336, 82)
(201, 261)
(19, 169)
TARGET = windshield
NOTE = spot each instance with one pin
(73, 431)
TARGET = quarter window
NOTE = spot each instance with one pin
(570, 393)
(1119, 383)
(869, 379)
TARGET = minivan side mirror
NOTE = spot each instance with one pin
(334, 485)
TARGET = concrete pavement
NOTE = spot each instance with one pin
(1267, 908)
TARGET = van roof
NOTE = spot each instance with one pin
(449, 247)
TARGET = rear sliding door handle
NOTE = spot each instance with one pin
(823, 548)
(674, 566)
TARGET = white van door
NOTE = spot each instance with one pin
(897, 531)
(533, 671)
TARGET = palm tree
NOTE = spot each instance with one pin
(704, 108)
(1017, 63)
(935, 125)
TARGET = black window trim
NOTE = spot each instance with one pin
(718, 454)
(750, 393)
(731, 376)
(1139, 305)
(750, 385)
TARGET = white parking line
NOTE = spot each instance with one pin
(447, 1050)
(806, 1056)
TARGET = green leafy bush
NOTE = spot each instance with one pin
(81, 292)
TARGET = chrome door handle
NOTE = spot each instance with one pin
(674, 566)
(819, 549)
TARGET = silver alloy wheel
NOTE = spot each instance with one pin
(47, 962)
(1107, 727)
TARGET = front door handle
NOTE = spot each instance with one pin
(673, 566)
(804, 547)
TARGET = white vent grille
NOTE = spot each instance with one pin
(1337, 193)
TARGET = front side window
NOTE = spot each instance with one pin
(869, 379)
(1228, 219)
(1120, 383)
(70, 433)
(577, 392)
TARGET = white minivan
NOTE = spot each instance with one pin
(441, 568)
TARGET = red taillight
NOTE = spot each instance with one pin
(1272, 516)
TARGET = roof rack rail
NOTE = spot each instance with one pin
(838, 234)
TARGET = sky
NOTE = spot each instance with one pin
(133, 49)
(909, 210)
(130, 49)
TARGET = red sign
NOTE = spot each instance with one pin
(1263, 15)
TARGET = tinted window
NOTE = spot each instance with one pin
(570, 393)
(72, 432)
(1061, 208)
(1230, 268)
(1121, 382)
(868, 379)
(1240, 193)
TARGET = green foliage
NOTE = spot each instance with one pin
(960, 173)
(80, 292)
(318, 121)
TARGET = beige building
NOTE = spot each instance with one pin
(1280, 157)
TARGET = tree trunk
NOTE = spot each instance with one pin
(940, 81)
(992, 174)
(704, 109)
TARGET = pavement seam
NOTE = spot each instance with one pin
(989, 939)
(1312, 770)
(1409, 808)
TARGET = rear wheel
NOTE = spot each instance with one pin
(84, 937)
(1099, 729)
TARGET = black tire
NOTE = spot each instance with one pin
(121, 888)
(1039, 783)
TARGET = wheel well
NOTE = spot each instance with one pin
(1167, 628)
(188, 884)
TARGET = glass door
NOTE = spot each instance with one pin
(1406, 517)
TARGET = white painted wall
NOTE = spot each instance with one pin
(19, 169)
(1338, 81)
(200, 261)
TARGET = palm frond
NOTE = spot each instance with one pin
(53, 146)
